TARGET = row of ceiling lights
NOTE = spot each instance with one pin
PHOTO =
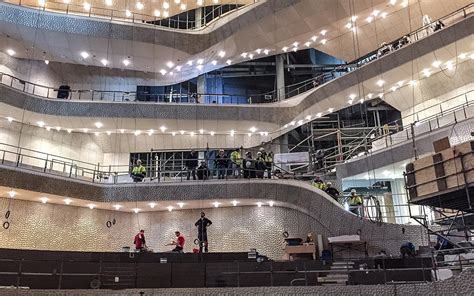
(150, 132)
(427, 72)
(152, 205)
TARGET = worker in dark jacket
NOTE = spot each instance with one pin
(192, 164)
(202, 225)
(333, 192)
(203, 171)
(221, 162)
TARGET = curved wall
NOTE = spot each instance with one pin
(326, 216)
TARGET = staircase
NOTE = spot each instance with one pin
(338, 274)
(118, 276)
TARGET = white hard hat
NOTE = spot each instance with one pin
(353, 191)
(329, 183)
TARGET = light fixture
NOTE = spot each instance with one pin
(404, 3)
(173, 134)
(324, 41)
(87, 6)
(139, 5)
(41, 3)
(380, 95)
(157, 13)
(201, 131)
(150, 132)
(251, 56)
(67, 201)
(212, 133)
(300, 122)
(307, 44)
(200, 61)
(253, 129)
(137, 133)
(293, 122)
(69, 130)
(84, 54)
(384, 14)
(259, 51)
(215, 1)
(319, 114)
(152, 205)
(122, 130)
(104, 62)
(232, 132)
(436, 64)
(163, 72)
(183, 6)
(352, 96)
(91, 206)
(178, 68)
(44, 199)
(96, 134)
(11, 193)
(270, 203)
(177, 1)
(10, 119)
(108, 133)
(449, 65)
(214, 62)
(330, 110)
(170, 208)
(48, 128)
(58, 128)
(136, 210)
(181, 132)
(128, 13)
(192, 134)
(426, 72)
(323, 32)
(117, 207)
(375, 12)
(249, 134)
(108, 2)
(180, 205)
(380, 82)
(354, 18)
(295, 44)
(170, 64)
(369, 19)
(394, 88)
(200, 2)
(216, 204)
(228, 62)
(348, 25)
(308, 117)
(350, 102)
(166, 5)
(285, 49)
(259, 204)
(266, 51)
(472, 56)
(221, 53)
(393, 2)
(46, 62)
(163, 128)
(361, 101)
(314, 38)
(10, 51)
(295, 49)
(126, 62)
(412, 82)
(98, 124)
(244, 54)
(462, 56)
(166, 13)
(235, 203)
(199, 67)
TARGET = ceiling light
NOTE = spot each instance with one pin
(157, 13)
(190, 63)
(285, 49)
(108, 133)
(96, 134)
(426, 72)
(170, 64)
(84, 55)
(183, 6)
(258, 51)
(394, 88)
(251, 56)
(232, 132)
(166, 5)
(266, 51)
(449, 65)
(350, 102)
(192, 134)
(173, 134)
(380, 95)
(170, 208)
(436, 64)
(216, 204)
(308, 117)
(300, 122)
(98, 124)
(404, 3)
(166, 13)
(228, 62)
(128, 13)
(380, 82)
(163, 128)
(375, 12)
(352, 96)
(69, 130)
(323, 32)
(67, 201)
(253, 129)
(178, 68)
(201, 131)
(48, 128)
(180, 205)
(384, 14)
(354, 18)
(41, 2)
(330, 110)
(314, 38)
(200, 2)
(10, 51)
(361, 101)
(117, 207)
(400, 83)
(370, 96)
(293, 122)
(212, 133)
(412, 82)
(319, 114)
(307, 44)
(44, 199)
(122, 130)
(214, 62)
(139, 5)
(235, 203)
(104, 62)
(215, 1)
(87, 6)
(221, 53)
(462, 56)
(58, 128)
(295, 44)
(323, 41)
(181, 132)
(348, 25)
(199, 67)
(369, 19)
(137, 133)
(259, 204)
(46, 62)
(270, 203)
(150, 132)
(108, 2)
(136, 210)
(11, 193)
(472, 56)
(295, 49)
(200, 61)
(126, 62)
(163, 72)
(244, 54)
(152, 205)
(10, 119)
(386, 173)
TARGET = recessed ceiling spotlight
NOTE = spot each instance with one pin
(98, 124)
(200, 61)
(69, 130)
(215, 1)
(190, 63)
(266, 51)
(163, 128)
(323, 32)
(87, 6)
(308, 117)
(463, 56)
(354, 18)
(122, 130)
(126, 62)
(352, 96)
(412, 82)
(285, 49)
(10, 119)
(58, 128)
(117, 207)
(11, 193)
(67, 201)
(270, 203)
(180, 205)
(369, 19)
(200, 2)
(157, 13)
(212, 133)
(163, 72)
(139, 5)
(170, 64)
(166, 13)
(150, 132)
(295, 49)
(319, 114)
(108, 2)
(426, 72)
(235, 203)
(41, 3)
(177, 1)
(244, 54)
(178, 68)
(380, 82)
(199, 67)
(173, 134)
(350, 102)
(136, 210)
(183, 6)
(214, 62)
(84, 54)
(232, 133)
(170, 208)
(251, 56)
(166, 5)
(307, 44)
(192, 134)
(128, 13)
(314, 38)
(216, 204)
(348, 25)
(253, 129)
(48, 128)
(300, 122)
(221, 53)
(449, 65)
(181, 132)
(375, 12)
(258, 51)
(108, 133)
(436, 64)
(330, 110)
(46, 62)
(259, 204)
(324, 41)
(96, 134)
(44, 199)
(404, 3)
(228, 62)
(384, 14)
(104, 62)
(152, 205)
(137, 133)
(472, 56)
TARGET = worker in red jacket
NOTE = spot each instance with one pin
(178, 243)
(139, 242)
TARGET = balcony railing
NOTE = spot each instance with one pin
(277, 95)
(182, 21)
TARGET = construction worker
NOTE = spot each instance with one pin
(236, 159)
(355, 202)
(333, 192)
(318, 183)
(138, 172)
(268, 163)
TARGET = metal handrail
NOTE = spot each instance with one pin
(289, 90)
(169, 22)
